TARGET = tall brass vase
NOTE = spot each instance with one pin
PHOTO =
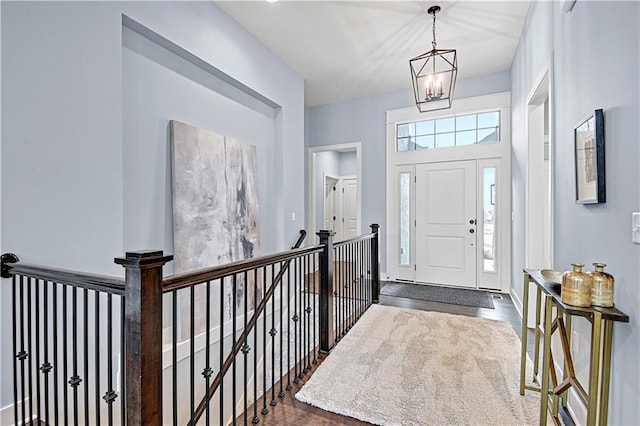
(576, 287)
(601, 286)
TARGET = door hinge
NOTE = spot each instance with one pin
(415, 267)
(415, 179)
(343, 190)
(334, 188)
(415, 223)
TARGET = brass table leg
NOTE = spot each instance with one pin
(607, 341)
(523, 338)
(536, 351)
(569, 322)
(546, 359)
(594, 368)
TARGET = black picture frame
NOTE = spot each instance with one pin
(588, 137)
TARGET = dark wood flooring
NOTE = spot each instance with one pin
(291, 412)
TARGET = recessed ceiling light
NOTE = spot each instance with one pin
(271, 1)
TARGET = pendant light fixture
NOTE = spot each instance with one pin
(434, 74)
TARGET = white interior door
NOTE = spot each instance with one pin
(329, 210)
(349, 207)
(446, 223)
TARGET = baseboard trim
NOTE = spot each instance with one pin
(7, 416)
(516, 302)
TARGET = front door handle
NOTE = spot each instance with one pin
(472, 230)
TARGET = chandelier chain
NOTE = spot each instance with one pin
(433, 43)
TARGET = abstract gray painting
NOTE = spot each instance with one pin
(215, 217)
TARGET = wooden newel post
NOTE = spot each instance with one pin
(143, 336)
(327, 338)
(375, 266)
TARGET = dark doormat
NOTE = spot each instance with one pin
(433, 293)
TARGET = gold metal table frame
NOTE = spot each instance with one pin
(596, 397)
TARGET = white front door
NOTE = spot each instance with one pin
(446, 223)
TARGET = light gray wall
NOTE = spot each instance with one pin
(363, 120)
(596, 65)
(148, 212)
(63, 167)
(348, 164)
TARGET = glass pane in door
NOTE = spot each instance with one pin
(489, 219)
(405, 218)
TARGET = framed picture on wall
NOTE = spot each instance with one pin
(588, 137)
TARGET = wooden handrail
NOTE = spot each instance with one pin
(354, 239)
(187, 279)
(103, 283)
(216, 273)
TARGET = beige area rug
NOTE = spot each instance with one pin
(401, 366)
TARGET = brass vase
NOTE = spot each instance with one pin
(601, 286)
(576, 287)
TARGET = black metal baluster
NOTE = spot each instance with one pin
(46, 366)
(15, 348)
(246, 348)
(297, 323)
(234, 314)
(123, 377)
(29, 358)
(305, 317)
(281, 393)
(22, 355)
(36, 361)
(351, 286)
(207, 370)
(65, 348)
(337, 282)
(272, 333)
(356, 281)
(86, 356)
(264, 410)
(367, 269)
(221, 395)
(192, 372)
(343, 289)
(75, 379)
(174, 355)
(307, 312)
(255, 418)
(54, 301)
(289, 327)
(110, 395)
(97, 353)
(315, 310)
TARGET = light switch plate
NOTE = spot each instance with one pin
(635, 227)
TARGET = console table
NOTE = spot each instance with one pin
(596, 396)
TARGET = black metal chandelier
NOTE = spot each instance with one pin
(434, 74)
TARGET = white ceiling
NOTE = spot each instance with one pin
(352, 49)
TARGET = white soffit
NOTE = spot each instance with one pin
(353, 49)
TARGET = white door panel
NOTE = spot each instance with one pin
(350, 199)
(445, 223)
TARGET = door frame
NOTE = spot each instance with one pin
(311, 181)
(500, 150)
(542, 88)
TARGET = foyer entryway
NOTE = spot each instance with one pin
(448, 195)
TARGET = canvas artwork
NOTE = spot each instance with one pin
(215, 216)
